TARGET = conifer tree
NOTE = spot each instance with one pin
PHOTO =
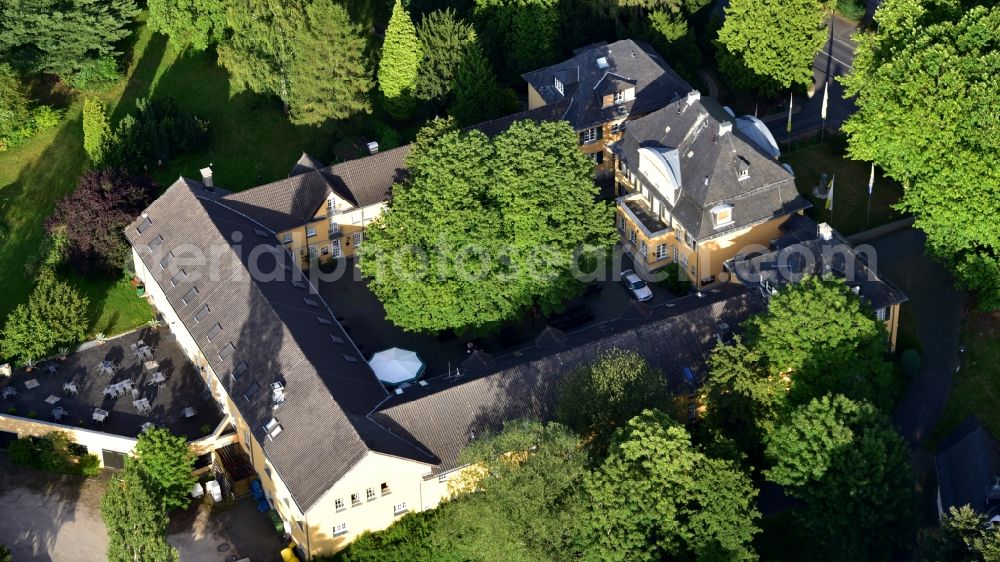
(96, 130)
(400, 64)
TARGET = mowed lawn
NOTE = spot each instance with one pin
(850, 194)
(252, 142)
(975, 388)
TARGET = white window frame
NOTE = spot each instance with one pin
(313, 251)
(310, 231)
(881, 314)
(621, 223)
(370, 494)
(335, 249)
(338, 504)
(287, 238)
(632, 235)
(334, 227)
(340, 529)
(399, 509)
(357, 238)
(643, 247)
(619, 97)
(661, 252)
(589, 135)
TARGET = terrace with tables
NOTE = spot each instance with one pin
(118, 387)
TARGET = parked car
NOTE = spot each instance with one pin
(636, 286)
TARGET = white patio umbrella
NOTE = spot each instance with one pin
(396, 366)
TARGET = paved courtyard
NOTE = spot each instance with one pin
(363, 316)
(48, 517)
(183, 388)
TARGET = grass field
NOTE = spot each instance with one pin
(850, 194)
(975, 389)
(252, 143)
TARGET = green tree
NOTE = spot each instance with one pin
(927, 89)
(478, 95)
(853, 472)
(656, 497)
(329, 74)
(444, 38)
(597, 399)
(309, 54)
(484, 229)
(14, 103)
(777, 38)
(97, 136)
(166, 464)
(408, 539)
(194, 23)
(5, 555)
(397, 70)
(526, 498)
(521, 33)
(136, 522)
(63, 37)
(965, 536)
(55, 314)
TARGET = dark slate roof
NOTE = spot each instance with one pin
(369, 180)
(708, 167)
(968, 467)
(283, 204)
(629, 62)
(444, 415)
(548, 112)
(274, 330)
(801, 252)
(306, 163)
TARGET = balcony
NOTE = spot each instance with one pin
(335, 234)
(635, 207)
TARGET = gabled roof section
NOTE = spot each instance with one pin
(369, 180)
(451, 411)
(548, 112)
(584, 81)
(262, 333)
(968, 469)
(305, 164)
(282, 204)
(711, 154)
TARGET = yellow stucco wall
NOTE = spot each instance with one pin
(348, 219)
(534, 100)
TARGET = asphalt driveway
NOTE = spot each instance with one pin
(938, 307)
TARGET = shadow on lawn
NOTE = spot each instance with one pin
(140, 82)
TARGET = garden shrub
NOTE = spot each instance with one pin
(21, 451)
(95, 72)
(55, 453)
(675, 280)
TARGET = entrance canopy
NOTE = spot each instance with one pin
(396, 366)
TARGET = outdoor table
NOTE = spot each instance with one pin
(70, 387)
(52, 368)
(147, 426)
(58, 413)
(31, 383)
(151, 365)
(142, 405)
(189, 412)
(52, 399)
(145, 352)
(9, 392)
(157, 378)
(100, 415)
(106, 367)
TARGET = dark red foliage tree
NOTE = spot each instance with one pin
(95, 215)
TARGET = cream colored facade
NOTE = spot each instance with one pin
(387, 487)
(336, 230)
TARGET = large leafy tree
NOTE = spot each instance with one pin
(166, 464)
(657, 497)
(521, 33)
(527, 494)
(63, 37)
(136, 522)
(478, 95)
(310, 55)
(484, 229)
(330, 75)
(55, 314)
(194, 23)
(927, 85)
(402, 53)
(597, 399)
(95, 214)
(776, 38)
(853, 472)
(444, 38)
(965, 536)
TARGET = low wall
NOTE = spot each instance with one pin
(880, 231)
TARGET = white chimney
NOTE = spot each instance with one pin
(725, 127)
(206, 176)
(373, 147)
(825, 231)
(693, 96)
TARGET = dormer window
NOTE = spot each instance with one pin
(619, 97)
(722, 215)
(742, 169)
(557, 83)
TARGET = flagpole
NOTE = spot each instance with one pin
(871, 184)
(826, 92)
(788, 125)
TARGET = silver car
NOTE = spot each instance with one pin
(636, 286)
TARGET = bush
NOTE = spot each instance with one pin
(910, 361)
(54, 453)
(21, 451)
(94, 73)
(852, 9)
(675, 280)
(46, 117)
(158, 131)
(89, 466)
